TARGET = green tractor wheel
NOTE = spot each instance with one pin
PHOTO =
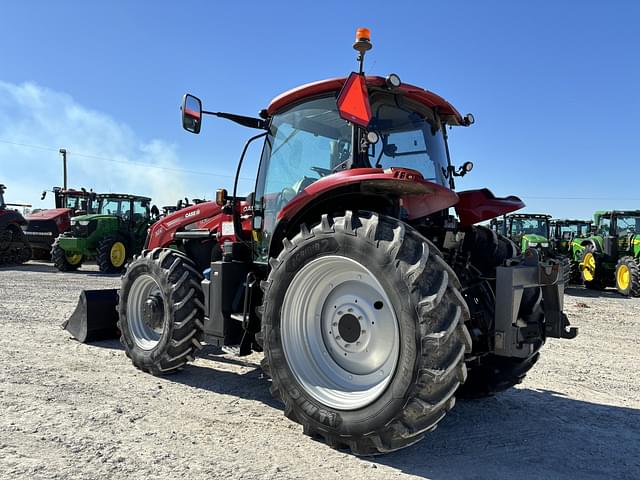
(63, 260)
(628, 277)
(112, 254)
(591, 275)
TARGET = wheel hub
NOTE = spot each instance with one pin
(349, 328)
(153, 311)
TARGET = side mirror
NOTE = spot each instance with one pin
(221, 197)
(44, 194)
(191, 113)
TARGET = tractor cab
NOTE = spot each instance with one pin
(619, 230)
(78, 201)
(565, 232)
(528, 230)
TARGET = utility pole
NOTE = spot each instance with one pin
(64, 166)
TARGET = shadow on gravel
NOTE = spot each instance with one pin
(520, 434)
(524, 434)
(586, 293)
(250, 385)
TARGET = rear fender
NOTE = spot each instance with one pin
(476, 206)
(205, 215)
(365, 189)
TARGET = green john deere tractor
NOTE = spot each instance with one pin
(111, 236)
(566, 238)
(532, 230)
(611, 255)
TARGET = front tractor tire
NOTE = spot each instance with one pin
(161, 311)
(65, 261)
(363, 332)
(628, 277)
(112, 254)
(590, 270)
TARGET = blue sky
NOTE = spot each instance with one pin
(553, 87)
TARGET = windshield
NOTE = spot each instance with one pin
(77, 203)
(114, 206)
(628, 224)
(529, 226)
(575, 229)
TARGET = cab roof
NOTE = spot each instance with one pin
(123, 196)
(447, 112)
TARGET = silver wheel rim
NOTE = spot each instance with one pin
(325, 304)
(145, 335)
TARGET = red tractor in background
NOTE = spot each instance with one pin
(44, 226)
(14, 248)
(374, 304)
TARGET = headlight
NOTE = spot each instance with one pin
(84, 223)
(544, 244)
(533, 244)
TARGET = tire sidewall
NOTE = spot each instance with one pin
(393, 399)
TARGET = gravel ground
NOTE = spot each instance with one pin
(70, 410)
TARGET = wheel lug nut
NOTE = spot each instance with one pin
(338, 337)
(339, 312)
(335, 324)
(347, 345)
(350, 310)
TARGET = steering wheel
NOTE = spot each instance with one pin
(284, 197)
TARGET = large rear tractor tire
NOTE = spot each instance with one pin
(14, 247)
(161, 311)
(628, 277)
(112, 254)
(590, 269)
(363, 332)
(490, 374)
(65, 261)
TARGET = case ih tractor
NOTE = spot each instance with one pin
(45, 225)
(112, 235)
(14, 248)
(374, 305)
(611, 255)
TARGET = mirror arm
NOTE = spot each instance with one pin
(250, 122)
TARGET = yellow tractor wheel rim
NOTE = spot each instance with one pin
(117, 254)
(73, 258)
(588, 267)
(623, 277)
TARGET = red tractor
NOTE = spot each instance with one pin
(44, 226)
(14, 248)
(374, 304)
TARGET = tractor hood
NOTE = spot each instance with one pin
(48, 214)
(533, 238)
(92, 216)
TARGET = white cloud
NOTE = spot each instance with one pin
(34, 115)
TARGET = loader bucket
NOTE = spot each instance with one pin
(95, 316)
